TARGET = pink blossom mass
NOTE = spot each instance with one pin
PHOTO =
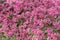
(30, 19)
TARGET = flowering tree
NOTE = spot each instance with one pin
(30, 20)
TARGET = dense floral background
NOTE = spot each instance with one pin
(29, 19)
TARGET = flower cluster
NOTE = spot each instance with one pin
(30, 19)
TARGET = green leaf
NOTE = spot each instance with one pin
(21, 21)
(10, 17)
(14, 37)
(0, 25)
(44, 28)
(4, 38)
